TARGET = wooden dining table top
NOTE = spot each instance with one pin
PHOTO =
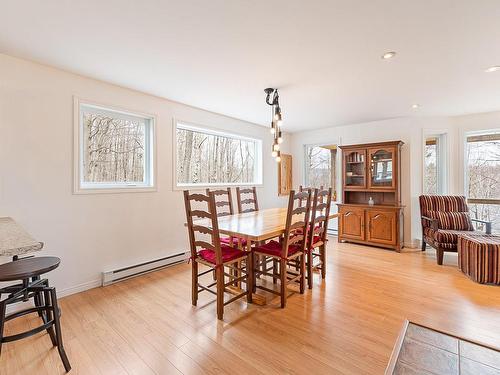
(254, 226)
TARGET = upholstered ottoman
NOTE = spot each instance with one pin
(479, 257)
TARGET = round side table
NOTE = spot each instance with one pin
(479, 257)
(44, 297)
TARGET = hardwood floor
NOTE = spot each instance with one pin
(345, 325)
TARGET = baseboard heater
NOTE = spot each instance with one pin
(111, 277)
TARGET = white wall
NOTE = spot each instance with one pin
(412, 132)
(92, 233)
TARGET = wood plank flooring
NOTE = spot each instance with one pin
(346, 325)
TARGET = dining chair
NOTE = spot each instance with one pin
(291, 247)
(224, 207)
(247, 199)
(317, 234)
(223, 199)
(206, 249)
(305, 188)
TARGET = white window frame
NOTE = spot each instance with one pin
(81, 187)
(337, 172)
(177, 123)
(465, 161)
(442, 160)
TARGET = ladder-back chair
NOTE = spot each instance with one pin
(247, 199)
(305, 188)
(317, 235)
(224, 207)
(292, 247)
(223, 199)
(202, 223)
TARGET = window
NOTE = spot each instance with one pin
(431, 166)
(320, 168)
(434, 181)
(114, 149)
(208, 157)
(483, 176)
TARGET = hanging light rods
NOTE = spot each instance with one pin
(272, 99)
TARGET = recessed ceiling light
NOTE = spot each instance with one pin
(415, 106)
(492, 69)
(388, 55)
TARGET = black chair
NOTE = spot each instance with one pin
(28, 272)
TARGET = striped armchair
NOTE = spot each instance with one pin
(444, 217)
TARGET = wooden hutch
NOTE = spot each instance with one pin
(372, 172)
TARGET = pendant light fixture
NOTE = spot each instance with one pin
(272, 99)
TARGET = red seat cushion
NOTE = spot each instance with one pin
(274, 248)
(227, 241)
(228, 253)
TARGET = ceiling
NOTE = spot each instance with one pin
(324, 56)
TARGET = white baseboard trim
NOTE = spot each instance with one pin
(415, 244)
(79, 288)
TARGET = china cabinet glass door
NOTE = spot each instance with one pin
(355, 169)
(381, 168)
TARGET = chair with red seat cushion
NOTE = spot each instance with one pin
(228, 254)
(444, 217)
(290, 249)
(317, 236)
(247, 199)
(224, 207)
(305, 188)
(274, 248)
(212, 253)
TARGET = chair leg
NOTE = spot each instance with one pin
(194, 282)
(250, 280)
(424, 244)
(302, 261)
(309, 269)
(38, 301)
(254, 272)
(57, 324)
(283, 282)
(48, 316)
(263, 263)
(440, 256)
(322, 257)
(2, 322)
(220, 293)
(235, 274)
(275, 270)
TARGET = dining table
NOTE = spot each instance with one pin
(256, 226)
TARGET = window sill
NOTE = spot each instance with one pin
(115, 190)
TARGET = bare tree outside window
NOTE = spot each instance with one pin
(205, 158)
(115, 148)
(321, 167)
(431, 166)
(318, 166)
(483, 177)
